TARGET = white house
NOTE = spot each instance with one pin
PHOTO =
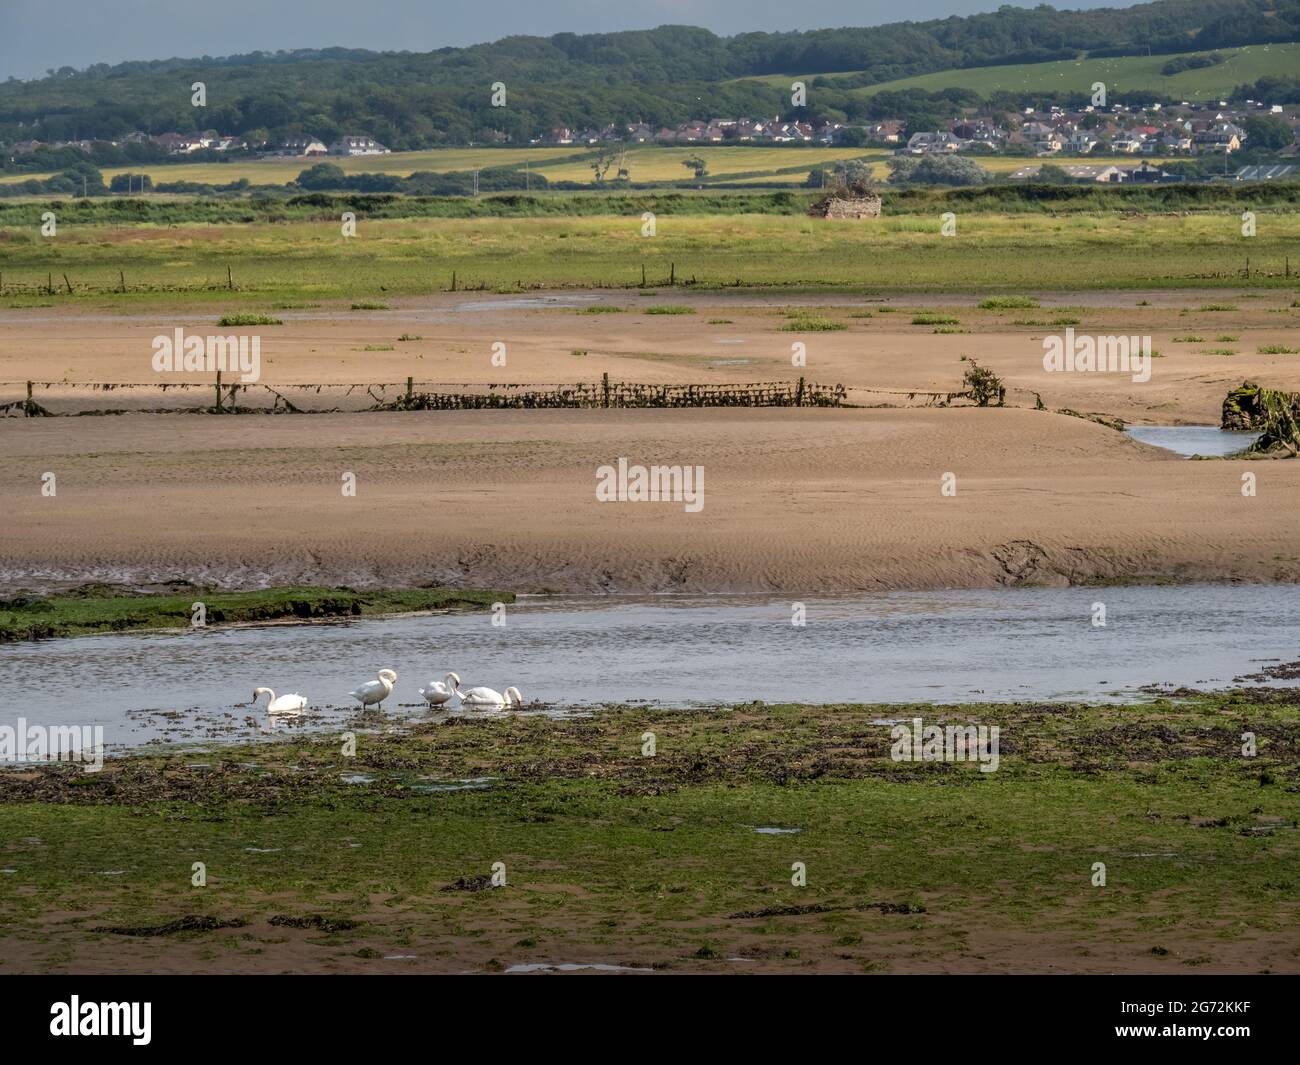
(358, 145)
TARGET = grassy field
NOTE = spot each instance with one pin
(389, 258)
(320, 862)
(732, 165)
(280, 171)
(1120, 74)
(101, 608)
(665, 164)
(556, 164)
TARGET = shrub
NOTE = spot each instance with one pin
(983, 386)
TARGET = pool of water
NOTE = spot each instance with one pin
(1207, 440)
(574, 654)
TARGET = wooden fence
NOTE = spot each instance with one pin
(41, 399)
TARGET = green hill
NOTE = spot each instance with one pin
(1120, 74)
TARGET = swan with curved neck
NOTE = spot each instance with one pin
(285, 704)
(376, 691)
(436, 692)
(486, 698)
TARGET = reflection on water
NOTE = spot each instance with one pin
(1207, 440)
(680, 651)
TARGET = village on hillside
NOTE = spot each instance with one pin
(1163, 132)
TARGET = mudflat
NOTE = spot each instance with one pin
(793, 499)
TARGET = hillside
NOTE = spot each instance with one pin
(1121, 74)
(663, 76)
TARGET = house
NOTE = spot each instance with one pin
(640, 133)
(562, 135)
(1104, 174)
(1219, 141)
(1148, 174)
(27, 147)
(299, 146)
(1081, 142)
(179, 143)
(924, 143)
(359, 144)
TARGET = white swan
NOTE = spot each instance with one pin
(376, 691)
(285, 704)
(436, 692)
(488, 697)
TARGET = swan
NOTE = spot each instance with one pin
(489, 697)
(285, 704)
(436, 692)
(376, 691)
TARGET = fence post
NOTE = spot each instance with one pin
(604, 379)
(798, 396)
(643, 275)
(218, 391)
(672, 273)
(453, 281)
(410, 381)
(230, 280)
(28, 409)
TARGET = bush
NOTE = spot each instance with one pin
(983, 386)
(936, 170)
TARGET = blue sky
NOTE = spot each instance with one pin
(40, 34)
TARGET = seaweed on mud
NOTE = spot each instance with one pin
(469, 883)
(171, 928)
(315, 920)
(799, 911)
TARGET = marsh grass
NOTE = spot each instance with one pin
(289, 261)
(245, 319)
(618, 857)
(103, 608)
(811, 323)
(1008, 303)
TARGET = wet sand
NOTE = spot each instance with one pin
(795, 500)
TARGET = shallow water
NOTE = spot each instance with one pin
(1207, 440)
(569, 655)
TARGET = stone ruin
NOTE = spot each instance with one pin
(846, 204)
